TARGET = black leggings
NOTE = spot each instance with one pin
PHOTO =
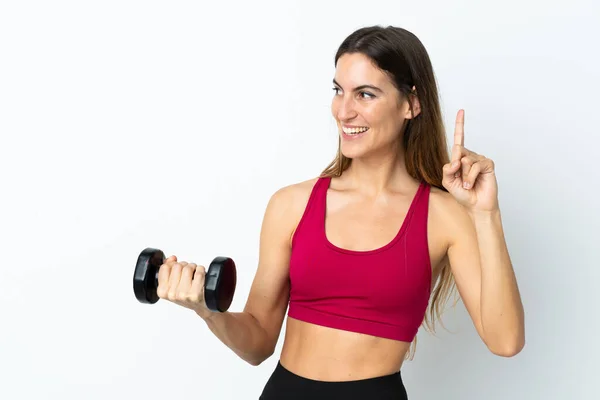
(284, 384)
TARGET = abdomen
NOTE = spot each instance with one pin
(327, 354)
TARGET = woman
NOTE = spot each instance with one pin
(390, 227)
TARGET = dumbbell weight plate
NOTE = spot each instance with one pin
(219, 285)
(146, 273)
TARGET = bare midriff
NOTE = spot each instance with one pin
(326, 354)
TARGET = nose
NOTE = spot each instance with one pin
(344, 108)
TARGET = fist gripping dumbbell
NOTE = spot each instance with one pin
(219, 283)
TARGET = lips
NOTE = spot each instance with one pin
(354, 130)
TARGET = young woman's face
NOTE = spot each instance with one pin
(369, 110)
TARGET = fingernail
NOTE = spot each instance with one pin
(466, 185)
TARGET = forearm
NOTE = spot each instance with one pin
(242, 333)
(502, 315)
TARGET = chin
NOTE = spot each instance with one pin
(353, 151)
(355, 146)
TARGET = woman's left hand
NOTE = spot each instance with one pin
(470, 177)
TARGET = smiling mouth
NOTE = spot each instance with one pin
(354, 131)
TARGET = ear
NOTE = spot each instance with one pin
(416, 105)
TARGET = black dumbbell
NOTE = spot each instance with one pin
(219, 283)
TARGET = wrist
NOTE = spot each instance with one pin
(484, 220)
(484, 215)
(206, 315)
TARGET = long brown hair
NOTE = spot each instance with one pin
(403, 57)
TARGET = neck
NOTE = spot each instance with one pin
(379, 174)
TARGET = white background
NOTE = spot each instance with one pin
(128, 124)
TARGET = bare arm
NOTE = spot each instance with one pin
(486, 280)
(477, 249)
(253, 333)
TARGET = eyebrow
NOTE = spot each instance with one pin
(361, 87)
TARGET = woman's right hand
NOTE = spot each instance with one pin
(182, 283)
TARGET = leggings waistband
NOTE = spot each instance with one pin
(284, 384)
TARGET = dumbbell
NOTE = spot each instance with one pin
(219, 283)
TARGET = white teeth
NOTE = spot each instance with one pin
(354, 131)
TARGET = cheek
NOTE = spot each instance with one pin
(387, 122)
(377, 117)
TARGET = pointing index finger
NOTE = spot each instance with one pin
(459, 136)
(459, 128)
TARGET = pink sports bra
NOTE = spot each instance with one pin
(382, 292)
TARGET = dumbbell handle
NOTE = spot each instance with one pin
(210, 276)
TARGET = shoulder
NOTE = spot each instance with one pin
(293, 195)
(442, 203)
(448, 218)
(287, 204)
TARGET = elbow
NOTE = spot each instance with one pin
(508, 348)
(259, 358)
(256, 361)
(507, 351)
(507, 340)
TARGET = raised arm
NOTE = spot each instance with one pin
(478, 253)
(485, 279)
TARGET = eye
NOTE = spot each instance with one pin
(367, 94)
(336, 90)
